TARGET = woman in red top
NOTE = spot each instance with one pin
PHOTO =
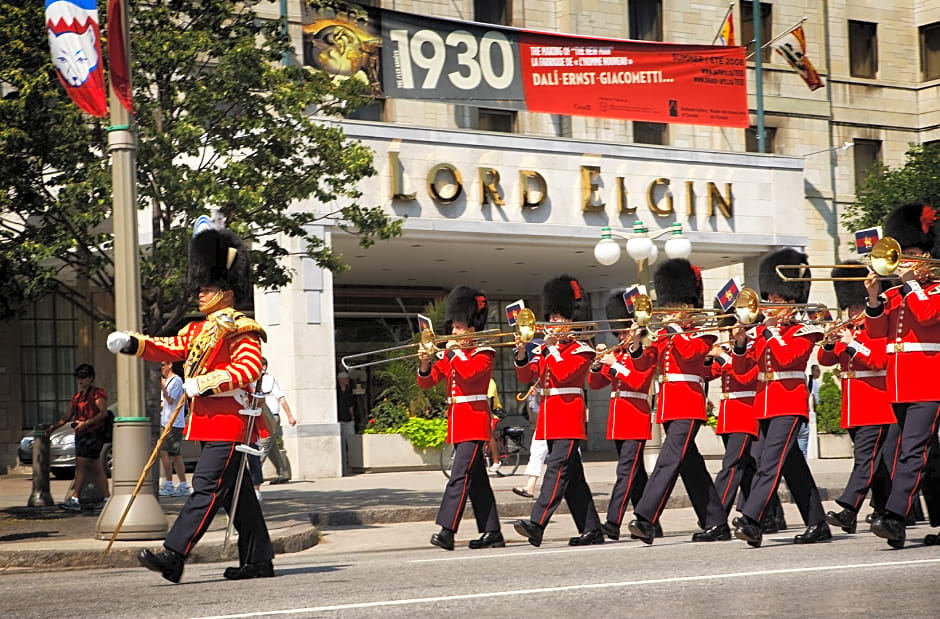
(88, 412)
(467, 370)
(628, 371)
(560, 365)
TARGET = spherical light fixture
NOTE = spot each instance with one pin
(654, 254)
(677, 246)
(607, 250)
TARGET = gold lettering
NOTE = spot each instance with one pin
(651, 202)
(489, 187)
(532, 198)
(623, 198)
(590, 185)
(724, 203)
(689, 198)
(454, 189)
(398, 178)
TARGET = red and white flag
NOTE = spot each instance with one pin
(792, 47)
(75, 44)
(120, 70)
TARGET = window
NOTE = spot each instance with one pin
(863, 48)
(496, 120)
(930, 51)
(866, 153)
(493, 11)
(371, 111)
(646, 20)
(48, 360)
(766, 28)
(750, 139)
(649, 133)
(562, 125)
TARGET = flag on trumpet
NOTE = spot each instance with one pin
(629, 297)
(728, 294)
(424, 324)
(792, 46)
(726, 34)
(512, 310)
(866, 239)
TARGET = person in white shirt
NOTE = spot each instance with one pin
(276, 403)
(171, 390)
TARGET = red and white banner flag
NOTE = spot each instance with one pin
(120, 70)
(792, 47)
(75, 44)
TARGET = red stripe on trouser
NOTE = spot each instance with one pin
(626, 494)
(871, 468)
(897, 451)
(189, 544)
(463, 494)
(916, 486)
(557, 480)
(783, 457)
(662, 503)
(731, 477)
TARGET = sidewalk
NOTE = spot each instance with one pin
(50, 537)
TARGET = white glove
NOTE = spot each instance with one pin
(191, 386)
(117, 341)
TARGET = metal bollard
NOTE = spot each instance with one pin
(40, 496)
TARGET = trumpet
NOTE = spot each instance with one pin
(842, 324)
(884, 259)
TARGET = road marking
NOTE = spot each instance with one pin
(530, 553)
(603, 585)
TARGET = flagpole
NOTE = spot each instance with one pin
(778, 37)
(723, 22)
(758, 77)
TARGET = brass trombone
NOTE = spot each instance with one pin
(748, 306)
(884, 259)
(428, 343)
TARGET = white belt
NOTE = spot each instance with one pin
(681, 378)
(628, 394)
(561, 391)
(461, 399)
(240, 395)
(765, 377)
(863, 374)
(894, 347)
(734, 395)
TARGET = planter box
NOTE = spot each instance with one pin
(709, 444)
(388, 452)
(835, 446)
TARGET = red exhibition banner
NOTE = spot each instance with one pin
(653, 82)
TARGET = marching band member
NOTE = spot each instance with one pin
(467, 372)
(865, 408)
(681, 410)
(628, 370)
(909, 317)
(222, 359)
(560, 364)
(781, 351)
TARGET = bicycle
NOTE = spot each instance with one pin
(510, 441)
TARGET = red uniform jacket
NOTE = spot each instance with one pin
(468, 375)
(232, 363)
(736, 413)
(682, 374)
(630, 379)
(862, 363)
(910, 320)
(780, 357)
(561, 371)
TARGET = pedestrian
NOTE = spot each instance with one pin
(781, 350)
(812, 384)
(171, 455)
(561, 365)
(345, 414)
(223, 359)
(496, 413)
(275, 403)
(538, 448)
(467, 368)
(88, 414)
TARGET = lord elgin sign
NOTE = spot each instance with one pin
(445, 185)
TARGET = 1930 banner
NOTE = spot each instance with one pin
(415, 57)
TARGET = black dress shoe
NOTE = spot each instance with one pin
(717, 533)
(168, 562)
(642, 530)
(443, 539)
(781, 523)
(891, 528)
(611, 530)
(748, 530)
(261, 569)
(847, 520)
(657, 529)
(814, 533)
(530, 531)
(588, 538)
(870, 518)
(932, 539)
(768, 525)
(490, 539)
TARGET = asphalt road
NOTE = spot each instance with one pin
(390, 571)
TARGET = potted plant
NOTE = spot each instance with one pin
(834, 441)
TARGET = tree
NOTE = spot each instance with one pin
(222, 124)
(829, 406)
(885, 188)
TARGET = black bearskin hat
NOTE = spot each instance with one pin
(617, 309)
(677, 283)
(563, 295)
(725, 318)
(849, 293)
(467, 305)
(912, 225)
(217, 257)
(770, 282)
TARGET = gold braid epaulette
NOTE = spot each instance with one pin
(244, 324)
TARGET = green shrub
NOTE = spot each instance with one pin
(386, 415)
(829, 406)
(711, 416)
(425, 432)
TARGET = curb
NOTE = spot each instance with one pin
(292, 538)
